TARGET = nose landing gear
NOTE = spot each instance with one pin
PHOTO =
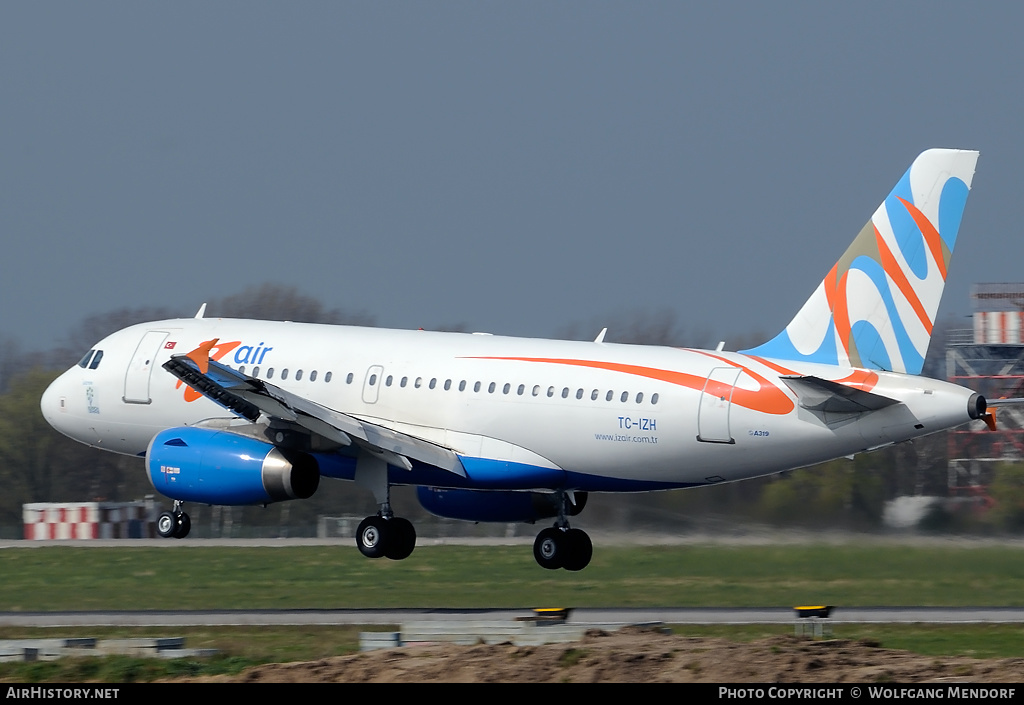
(174, 524)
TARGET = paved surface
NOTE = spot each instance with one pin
(610, 616)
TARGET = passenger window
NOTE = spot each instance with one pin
(625, 396)
(373, 380)
(327, 377)
(536, 390)
(579, 393)
(639, 397)
(462, 386)
(565, 392)
(433, 382)
(551, 391)
(270, 373)
(522, 388)
(654, 398)
(284, 373)
(242, 369)
(593, 395)
(312, 376)
(490, 388)
(418, 383)
(609, 395)
(405, 381)
(476, 387)
(298, 375)
(447, 384)
(348, 378)
(96, 360)
(388, 381)
(255, 371)
(504, 390)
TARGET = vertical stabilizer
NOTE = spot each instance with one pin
(877, 305)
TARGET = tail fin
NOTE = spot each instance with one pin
(876, 308)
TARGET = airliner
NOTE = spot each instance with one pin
(494, 428)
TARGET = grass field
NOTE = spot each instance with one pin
(197, 577)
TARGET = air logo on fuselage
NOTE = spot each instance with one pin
(244, 355)
(248, 355)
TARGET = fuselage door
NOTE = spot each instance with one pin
(371, 385)
(715, 404)
(136, 380)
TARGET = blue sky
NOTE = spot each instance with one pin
(515, 167)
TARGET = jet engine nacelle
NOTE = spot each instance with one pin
(219, 467)
(476, 505)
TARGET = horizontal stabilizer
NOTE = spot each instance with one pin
(248, 397)
(817, 394)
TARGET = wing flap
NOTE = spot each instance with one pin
(249, 397)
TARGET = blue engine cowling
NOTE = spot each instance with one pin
(504, 506)
(218, 467)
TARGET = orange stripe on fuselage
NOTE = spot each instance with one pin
(768, 398)
(865, 380)
(859, 378)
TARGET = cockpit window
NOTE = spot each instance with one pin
(91, 360)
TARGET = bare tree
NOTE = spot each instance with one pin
(275, 302)
(97, 327)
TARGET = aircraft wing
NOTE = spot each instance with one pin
(817, 394)
(249, 397)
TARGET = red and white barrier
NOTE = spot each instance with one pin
(86, 520)
(998, 327)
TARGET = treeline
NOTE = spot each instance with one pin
(37, 464)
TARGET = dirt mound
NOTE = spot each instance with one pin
(643, 655)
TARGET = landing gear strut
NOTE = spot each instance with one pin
(174, 524)
(562, 547)
(383, 535)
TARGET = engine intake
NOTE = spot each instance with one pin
(219, 467)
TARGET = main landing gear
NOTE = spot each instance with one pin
(174, 524)
(558, 547)
(562, 547)
(388, 536)
(383, 535)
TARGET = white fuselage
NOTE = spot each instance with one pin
(598, 416)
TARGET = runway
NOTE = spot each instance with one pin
(590, 616)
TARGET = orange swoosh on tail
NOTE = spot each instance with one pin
(931, 235)
(892, 268)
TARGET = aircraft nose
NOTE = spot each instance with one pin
(53, 403)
